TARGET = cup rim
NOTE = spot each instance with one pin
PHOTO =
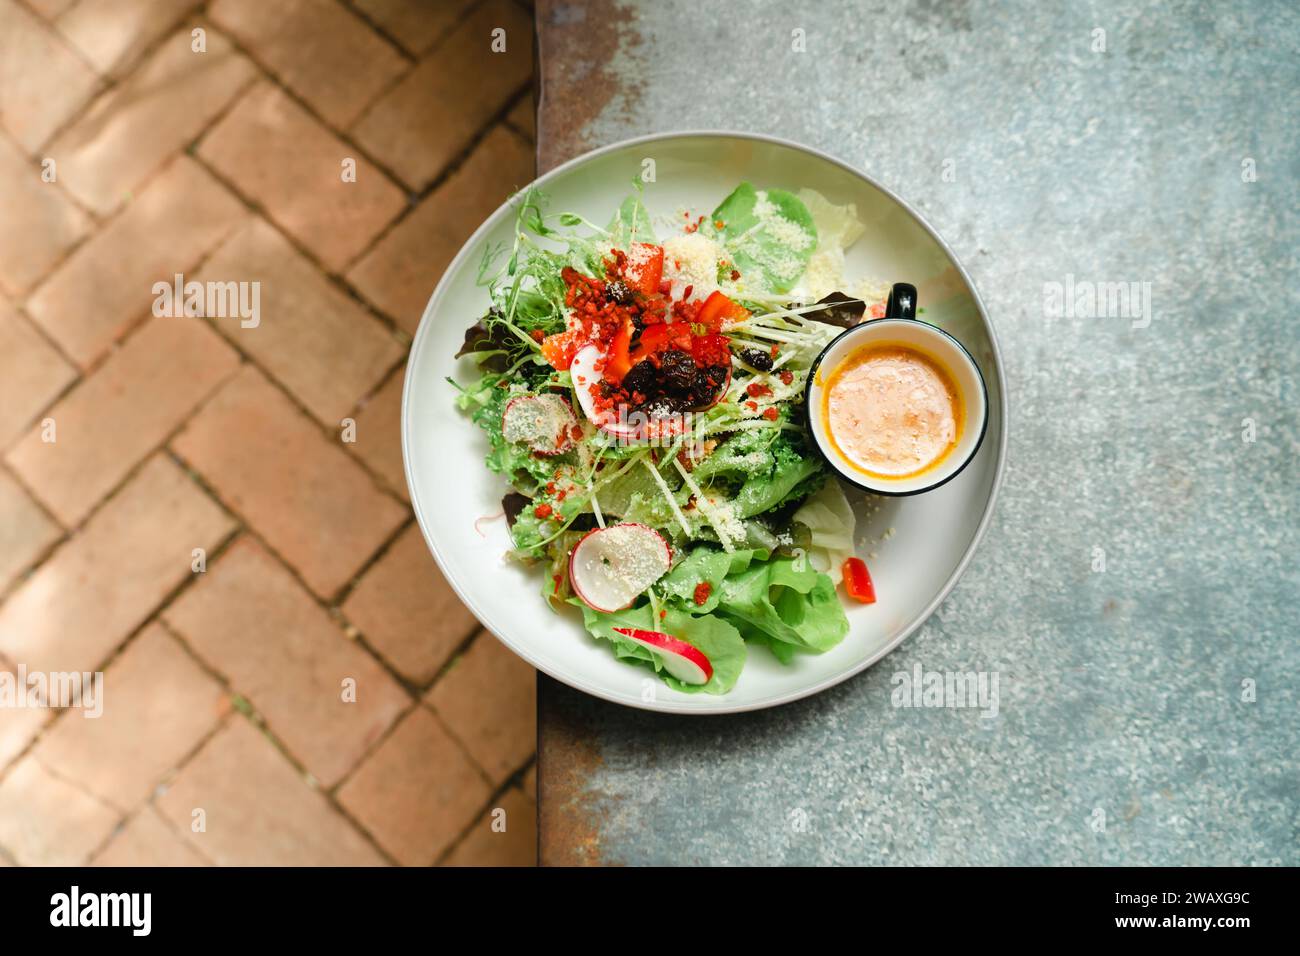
(811, 384)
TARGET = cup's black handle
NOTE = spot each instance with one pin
(902, 301)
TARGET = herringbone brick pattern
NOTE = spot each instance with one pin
(210, 510)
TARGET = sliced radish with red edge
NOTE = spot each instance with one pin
(684, 661)
(610, 567)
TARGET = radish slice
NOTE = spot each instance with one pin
(682, 660)
(610, 566)
(585, 379)
(544, 423)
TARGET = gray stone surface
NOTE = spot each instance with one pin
(1121, 692)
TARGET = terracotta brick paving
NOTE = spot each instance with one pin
(110, 34)
(314, 339)
(455, 90)
(98, 293)
(488, 678)
(503, 834)
(213, 513)
(415, 24)
(149, 840)
(39, 224)
(281, 157)
(25, 530)
(129, 132)
(408, 611)
(251, 621)
(303, 42)
(162, 706)
(112, 419)
(416, 791)
(32, 373)
(46, 820)
(42, 81)
(379, 433)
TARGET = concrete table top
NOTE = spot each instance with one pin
(1137, 592)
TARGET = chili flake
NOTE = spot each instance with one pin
(543, 510)
(702, 592)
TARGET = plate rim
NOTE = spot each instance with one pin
(668, 706)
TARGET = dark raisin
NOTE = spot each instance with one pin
(758, 359)
(619, 291)
(705, 385)
(676, 371)
(640, 378)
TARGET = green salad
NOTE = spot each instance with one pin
(641, 388)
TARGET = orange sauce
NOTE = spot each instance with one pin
(892, 411)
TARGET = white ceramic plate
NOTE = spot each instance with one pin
(933, 535)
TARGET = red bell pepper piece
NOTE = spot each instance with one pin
(559, 349)
(717, 308)
(857, 581)
(617, 359)
(645, 268)
(663, 335)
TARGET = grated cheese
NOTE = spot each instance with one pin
(727, 522)
(870, 291)
(630, 555)
(825, 273)
(638, 256)
(788, 233)
(692, 260)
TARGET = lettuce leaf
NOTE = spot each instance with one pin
(786, 481)
(767, 466)
(776, 601)
(797, 606)
(768, 231)
(632, 222)
(740, 456)
(837, 227)
(704, 566)
(830, 520)
(782, 651)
